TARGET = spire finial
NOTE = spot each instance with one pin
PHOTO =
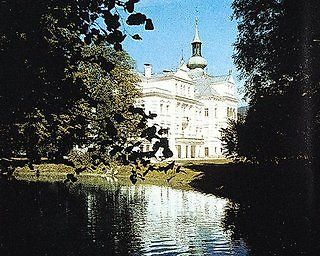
(196, 35)
(182, 59)
(197, 14)
(196, 60)
(197, 20)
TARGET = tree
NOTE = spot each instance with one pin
(279, 59)
(231, 136)
(61, 84)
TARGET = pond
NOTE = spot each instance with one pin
(59, 219)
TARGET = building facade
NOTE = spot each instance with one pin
(192, 104)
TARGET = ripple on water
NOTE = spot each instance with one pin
(133, 220)
(183, 223)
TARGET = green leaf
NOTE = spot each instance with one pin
(136, 19)
(88, 39)
(136, 37)
(111, 4)
(149, 25)
(129, 6)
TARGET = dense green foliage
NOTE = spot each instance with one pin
(278, 55)
(64, 82)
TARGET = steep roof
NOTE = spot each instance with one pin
(204, 82)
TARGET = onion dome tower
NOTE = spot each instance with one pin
(196, 60)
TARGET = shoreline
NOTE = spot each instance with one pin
(95, 179)
(237, 181)
(59, 172)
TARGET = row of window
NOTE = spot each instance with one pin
(190, 151)
(183, 89)
(231, 112)
(206, 112)
(162, 108)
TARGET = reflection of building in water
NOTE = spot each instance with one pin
(152, 220)
(182, 221)
(92, 215)
(192, 104)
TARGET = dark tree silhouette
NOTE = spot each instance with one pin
(61, 84)
(278, 54)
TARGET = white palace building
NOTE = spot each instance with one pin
(192, 104)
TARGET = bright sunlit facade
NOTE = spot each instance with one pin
(192, 104)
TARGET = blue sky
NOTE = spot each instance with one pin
(174, 22)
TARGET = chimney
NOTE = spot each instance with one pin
(147, 70)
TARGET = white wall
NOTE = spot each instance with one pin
(172, 98)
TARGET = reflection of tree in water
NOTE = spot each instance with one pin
(110, 225)
(279, 219)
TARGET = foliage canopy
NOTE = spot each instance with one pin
(61, 82)
(278, 55)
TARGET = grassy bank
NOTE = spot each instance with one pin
(212, 176)
(58, 172)
(223, 178)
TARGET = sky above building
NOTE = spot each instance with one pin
(174, 22)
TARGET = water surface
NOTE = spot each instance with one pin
(277, 218)
(54, 219)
